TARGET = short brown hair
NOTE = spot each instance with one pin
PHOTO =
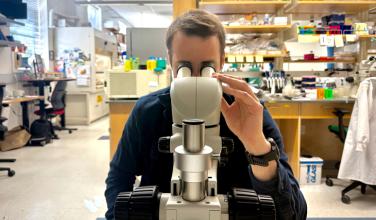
(197, 23)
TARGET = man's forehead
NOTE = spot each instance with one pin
(181, 36)
(204, 62)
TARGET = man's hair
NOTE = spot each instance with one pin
(196, 23)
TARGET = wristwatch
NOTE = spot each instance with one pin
(263, 160)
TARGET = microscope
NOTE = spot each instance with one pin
(198, 150)
(367, 67)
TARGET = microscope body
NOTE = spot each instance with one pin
(198, 150)
(196, 145)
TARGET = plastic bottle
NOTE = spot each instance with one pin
(161, 63)
(320, 93)
(340, 92)
(151, 63)
(127, 65)
(289, 89)
(328, 93)
(135, 63)
(124, 55)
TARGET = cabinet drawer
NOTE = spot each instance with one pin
(283, 110)
(323, 110)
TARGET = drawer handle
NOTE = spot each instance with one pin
(279, 106)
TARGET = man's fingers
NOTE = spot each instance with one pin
(237, 83)
(243, 96)
(228, 75)
(234, 83)
(234, 77)
(224, 105)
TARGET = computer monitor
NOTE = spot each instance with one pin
(13, 9)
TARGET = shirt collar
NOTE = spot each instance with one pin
(165, 100)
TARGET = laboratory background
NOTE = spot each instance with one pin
(72, 71)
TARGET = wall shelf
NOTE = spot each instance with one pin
(327, 7)
(235, 7)
(319, 61)
(255, 54)
(4, 43)
(7, 21)
(367, 36)
(256, 29)
(243, 74)
(315, 38)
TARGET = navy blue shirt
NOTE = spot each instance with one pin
(137, 154)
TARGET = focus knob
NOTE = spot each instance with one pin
(164, 144)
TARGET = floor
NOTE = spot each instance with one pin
(65, 180)
(325, 201)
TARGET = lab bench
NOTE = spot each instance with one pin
(303, 124)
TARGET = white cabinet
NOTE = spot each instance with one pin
(84, 108)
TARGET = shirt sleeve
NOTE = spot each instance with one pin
(125, 164)
(284, 188)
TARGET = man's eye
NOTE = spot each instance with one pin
(184, 72)
(207, 71)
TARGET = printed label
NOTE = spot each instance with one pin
(311, 173)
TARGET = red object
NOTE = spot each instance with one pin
(309, 56)
(335, 29)
(326, 58)
(51, 111)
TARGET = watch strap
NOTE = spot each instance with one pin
(263, 160)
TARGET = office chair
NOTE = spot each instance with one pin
(3, 130)
(58, 108)
(340, 131)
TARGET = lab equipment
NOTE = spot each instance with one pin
(198, 151)
(367, 67)
(274, 81)
(134, 83)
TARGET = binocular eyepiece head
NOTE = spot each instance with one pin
(185, 69)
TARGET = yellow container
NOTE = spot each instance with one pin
(127, 65)
(320, 93)
(151, 65)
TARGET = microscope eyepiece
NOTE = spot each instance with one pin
(207, 69)
(184, 70)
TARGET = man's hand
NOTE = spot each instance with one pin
(244, 117)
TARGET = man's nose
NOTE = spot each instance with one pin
(196, 73)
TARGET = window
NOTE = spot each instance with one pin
(30, 34)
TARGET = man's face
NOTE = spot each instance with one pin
(195, 50)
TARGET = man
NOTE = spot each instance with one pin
(198, 37)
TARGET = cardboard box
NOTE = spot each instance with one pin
(15, 138)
